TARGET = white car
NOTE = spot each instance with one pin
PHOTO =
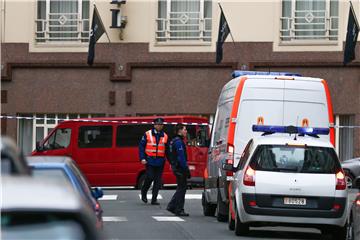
(288, 179)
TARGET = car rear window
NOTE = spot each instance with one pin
(295, 159)
(57, 174)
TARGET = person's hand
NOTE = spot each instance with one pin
(143, 161)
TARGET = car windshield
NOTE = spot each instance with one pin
(40, 226)
(52, 173)
(301, 159)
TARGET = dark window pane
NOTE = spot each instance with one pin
(295, 159)
(95, 137)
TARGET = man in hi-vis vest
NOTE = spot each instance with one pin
(152, 149)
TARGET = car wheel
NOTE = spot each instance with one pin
(221, 208)
(240, 227)
(349, 178)
(350, 229)
(208, 208)
(231, 221)
(337, 233)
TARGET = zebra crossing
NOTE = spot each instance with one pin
(118, 219)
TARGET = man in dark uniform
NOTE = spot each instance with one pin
(152, 149)
(178, 159)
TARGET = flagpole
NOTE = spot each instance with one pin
(352, 9)
(101, 22)
(227, 22)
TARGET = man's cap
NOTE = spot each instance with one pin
(158, 121)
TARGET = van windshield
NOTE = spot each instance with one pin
(295, 159)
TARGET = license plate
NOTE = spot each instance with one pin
(295, 201)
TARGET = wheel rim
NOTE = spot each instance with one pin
(348, 181)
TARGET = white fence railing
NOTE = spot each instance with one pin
(62, 27)
(183, 26)
(306, 24)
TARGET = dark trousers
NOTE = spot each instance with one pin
(153, 174)
(178, 200)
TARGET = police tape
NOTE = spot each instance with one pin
(131, 122)
(98, 121)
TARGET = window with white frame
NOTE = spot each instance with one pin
(309, 20)
(345, 136)
(184, 20)
(31, 131)
(62, 21)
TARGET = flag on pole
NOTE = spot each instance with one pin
(351, 36)
(224, 31)
(97, 30)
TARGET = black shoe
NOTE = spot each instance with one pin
(155, 203)
(182, 214)
(170, 210)
(144, 198)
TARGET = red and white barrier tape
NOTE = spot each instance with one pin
(98, 121)
(130, 122)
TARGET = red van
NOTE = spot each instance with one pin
(106, 149)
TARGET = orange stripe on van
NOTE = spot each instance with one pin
(234, 111)
(330, 112)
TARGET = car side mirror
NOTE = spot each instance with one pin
(38, 147)
(357, 183)
(97, 193)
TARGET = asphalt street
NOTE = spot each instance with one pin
(127, 217)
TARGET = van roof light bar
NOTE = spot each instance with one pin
(239, 73)
(270, 129)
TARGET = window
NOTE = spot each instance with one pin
(309, 20)
(184, 20)
(95, 137)
(63, 21)
(31, 131)
(295, 159)
(130, 135)
(59, 139)
(346, 137)
(245, 155)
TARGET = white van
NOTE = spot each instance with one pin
(268, 98)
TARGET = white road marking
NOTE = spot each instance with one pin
(108, 197)
(114, 219)
(149, 196)
(193, 196)
(168, 219)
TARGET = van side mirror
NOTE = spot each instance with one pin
(357, 183)
(39, 147)
(97, 192)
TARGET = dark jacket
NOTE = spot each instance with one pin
(152, 161)
(179, 152)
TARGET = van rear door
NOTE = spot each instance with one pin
(305, 103)
(290, 176)
(261, 99)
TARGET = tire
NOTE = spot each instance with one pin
(350, 234)
(208, 208)
(221, 208)
(140, 181)
(349, 178)
(337, 233)
(231, 222)
(241, 228)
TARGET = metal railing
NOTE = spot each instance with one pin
(60, 27)
(183, 26)
(309, 25)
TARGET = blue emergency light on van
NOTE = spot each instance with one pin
(290, 129)
(242, 73)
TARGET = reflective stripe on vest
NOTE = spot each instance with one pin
(153, 150)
